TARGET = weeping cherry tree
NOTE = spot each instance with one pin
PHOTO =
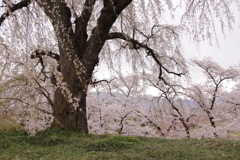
(68, 39)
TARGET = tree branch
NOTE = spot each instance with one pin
(151, 122)
(149, 51)
(95, 82)
(100, 33)
(82, 22)
(44, 92)
(39, 53)
(12, 8)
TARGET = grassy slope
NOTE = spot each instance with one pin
(53, 144)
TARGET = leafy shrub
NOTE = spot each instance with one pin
(8, 124)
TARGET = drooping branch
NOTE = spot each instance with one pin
(44, 92)
(149, 51)
(236, 104)
(39, 53)
(26, 103)
(13, 7)
(95, 82)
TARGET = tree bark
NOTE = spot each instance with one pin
(66, 116)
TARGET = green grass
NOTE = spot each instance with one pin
(63, 145)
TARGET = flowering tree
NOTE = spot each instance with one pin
(209, 93)
(230, 108)
(76, 34)
(172, 104)
(122, 107)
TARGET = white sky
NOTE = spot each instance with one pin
(227, 53)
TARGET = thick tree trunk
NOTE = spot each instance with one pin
(66, 116)
(78, 55)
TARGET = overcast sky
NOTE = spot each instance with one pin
(226, 53)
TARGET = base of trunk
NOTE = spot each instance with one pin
(66, 117)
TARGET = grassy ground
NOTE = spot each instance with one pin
(61, 145)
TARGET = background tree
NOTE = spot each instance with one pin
(78, 33)
(122, 107)
(209, 93)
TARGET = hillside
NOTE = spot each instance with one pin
(56, 144)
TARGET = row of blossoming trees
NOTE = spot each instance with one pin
(122, 105)
(204, 109)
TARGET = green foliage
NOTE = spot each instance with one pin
(59, 144)
(143, 125)
(8, 124)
